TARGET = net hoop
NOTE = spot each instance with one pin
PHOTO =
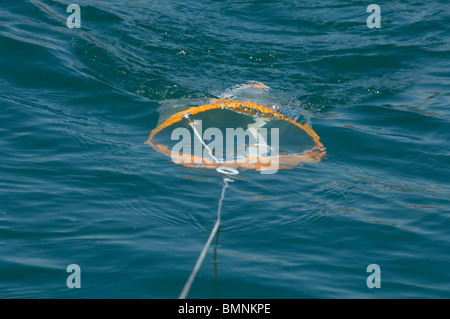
(315, 154)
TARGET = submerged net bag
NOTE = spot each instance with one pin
(236, 134)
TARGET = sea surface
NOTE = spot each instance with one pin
(79, 186)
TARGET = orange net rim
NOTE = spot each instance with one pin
(315, 154)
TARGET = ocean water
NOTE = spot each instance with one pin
(79, 186)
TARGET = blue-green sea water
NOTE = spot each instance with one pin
(79, 186)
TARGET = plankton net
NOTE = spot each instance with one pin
(242, 135)
(243, 129)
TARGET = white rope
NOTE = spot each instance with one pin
(220, 169)
(197, 266)
(203, 142)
